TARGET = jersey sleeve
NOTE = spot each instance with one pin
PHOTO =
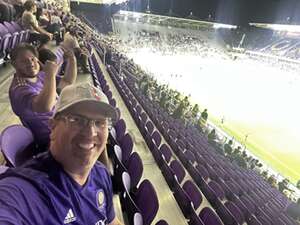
(21, 99)
(15, 198)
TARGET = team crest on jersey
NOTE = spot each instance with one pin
(100, 199)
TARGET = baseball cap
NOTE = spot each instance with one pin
(85, 92)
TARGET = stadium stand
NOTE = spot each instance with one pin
(184, 181)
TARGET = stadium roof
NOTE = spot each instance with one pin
(169, 21)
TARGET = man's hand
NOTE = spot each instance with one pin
(50, 36)
(68, 53)
(51, 68)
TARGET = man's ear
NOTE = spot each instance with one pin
(52, 123)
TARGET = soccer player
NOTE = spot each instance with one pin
(66, 185)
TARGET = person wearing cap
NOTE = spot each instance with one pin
(32, 92)
(66, 185)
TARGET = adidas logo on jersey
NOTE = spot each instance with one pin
(70, 217)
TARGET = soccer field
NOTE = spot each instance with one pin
(254, 99)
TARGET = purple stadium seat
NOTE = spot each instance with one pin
(209, 217)
(149, 127)
(194, 194)
(16, 141)
(126, 145)
(156, 138)
(113, 102)
(15, 35)
(166, 152)
(178, 170)
(5, 40)
(147, 201)
(195, 219)
(135, 168)
(127, 201)
(235, 211)
(253, 221)
(120, 129)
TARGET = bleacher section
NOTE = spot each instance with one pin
(237, 195)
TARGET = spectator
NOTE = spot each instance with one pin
(180, 110)
(228, 148)
(283, 185)
(212, 137)
(5, 14)
(55, 27)
(81, 53)
(29, 21)
(65, 184)
(272, 181)
(195, 111)
(204, 115)
(33, 92)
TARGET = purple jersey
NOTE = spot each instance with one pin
(40, 192)
(21, 94)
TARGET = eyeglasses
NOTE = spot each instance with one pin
(82, 122)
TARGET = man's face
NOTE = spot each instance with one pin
(26, 64)
(77, 146)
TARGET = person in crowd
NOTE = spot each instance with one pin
(293, 210)
(5, 12)
(65, 184)
(284, 185)
(272, 181)
(195, 111)
(228, 148)
(204, 116)
(298, 184)
(212, 136)
(29, 21)
(181, 108)
(33, 93)
(55, 27)
(71, 42)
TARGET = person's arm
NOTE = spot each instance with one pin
(46, 99)
(70, 70)
(116, 222)
(40, 30)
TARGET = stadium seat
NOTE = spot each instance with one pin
(126, 145)
(135, 168)
(17, 145)
(209, 217)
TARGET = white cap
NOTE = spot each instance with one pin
(85, 92)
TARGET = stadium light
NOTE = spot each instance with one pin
(226, 26)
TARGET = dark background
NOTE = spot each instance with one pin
(238, 12)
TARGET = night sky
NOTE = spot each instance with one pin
(239, 12)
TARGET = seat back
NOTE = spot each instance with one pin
(147, 201)
(195, 195)
(156, 138)
(120, 129)
(135, 168)
(15, 143)
(126, 146)
(178, 170)
(165, 150)
(208, 216)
